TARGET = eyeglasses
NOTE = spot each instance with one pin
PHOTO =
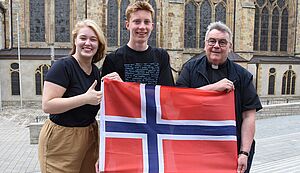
(213, 42)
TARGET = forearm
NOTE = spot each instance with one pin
(222, 85)
(60, 105)
(248, 130)
(208, 87)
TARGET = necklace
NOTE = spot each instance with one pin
(86, 67)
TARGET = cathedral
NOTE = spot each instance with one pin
(266, 39)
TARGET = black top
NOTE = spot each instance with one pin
(151, 66)
(216, 73)
(67, 73)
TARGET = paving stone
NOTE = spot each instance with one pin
(277, 149)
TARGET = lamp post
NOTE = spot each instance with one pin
(256, 75)
(19, 58)
(0, 95)
(52, 53)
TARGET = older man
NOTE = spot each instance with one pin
(216, 72)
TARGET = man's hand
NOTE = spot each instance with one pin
(222, 85)
(113, 76)
(242, 163)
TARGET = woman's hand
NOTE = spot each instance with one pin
(93, 97)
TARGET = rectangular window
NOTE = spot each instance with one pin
(62, 20)
(37, 20)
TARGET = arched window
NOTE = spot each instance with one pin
(271, 25)
(2, 33)
(221, 12)
(272, 76)
(288, 82)
(152, 39)
(112, 25)
(37, 20)
(264, 29)
(124, 33)
(116, 32)
(40, 74)
(190, 25)
(15, 80)
(256, 29)
(205, 20)
(284, 30)
(198, 15)
(274, 35)
(62, 20)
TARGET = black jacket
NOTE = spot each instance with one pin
(194, 75)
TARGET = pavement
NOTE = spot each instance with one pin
(16, 153)
(278, 145)
(277, 149)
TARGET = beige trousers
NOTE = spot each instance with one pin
(68, 149)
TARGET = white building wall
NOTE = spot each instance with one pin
(28, 68)
(1, 31)
(280, 70)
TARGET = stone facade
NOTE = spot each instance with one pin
(28, 68)
(297, 28)
(240, 17)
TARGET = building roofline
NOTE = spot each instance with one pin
(33, 53)
(275, 60)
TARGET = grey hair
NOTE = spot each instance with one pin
(220, 26)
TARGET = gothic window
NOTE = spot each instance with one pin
(40, 74)
(271, 1)
(288, 82)
(198, 15)
(62, 20)
(272, 75)
(293, 84)
(256, 29)
(37, 20)
(152, 39)
(15, 80)
(260, 2)
(190, 25)
(271, 25)
(2, 33)
(284, 30)
(221, 13)
(205, 20)
(124, 33)
(281, 3)
(275, 24)
(112, 25)
(116, 32)
(264, 30)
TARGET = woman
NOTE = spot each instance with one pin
(68, 141)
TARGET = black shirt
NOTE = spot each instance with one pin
(67, 73)
(151, 66)
(216, 74)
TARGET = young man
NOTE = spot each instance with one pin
(137, 61)
(216, 72)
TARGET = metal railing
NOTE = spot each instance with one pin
(272, 101)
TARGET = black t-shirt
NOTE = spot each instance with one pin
(67, 73)
(151, 66)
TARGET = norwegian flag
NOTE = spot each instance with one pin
(156, 129)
